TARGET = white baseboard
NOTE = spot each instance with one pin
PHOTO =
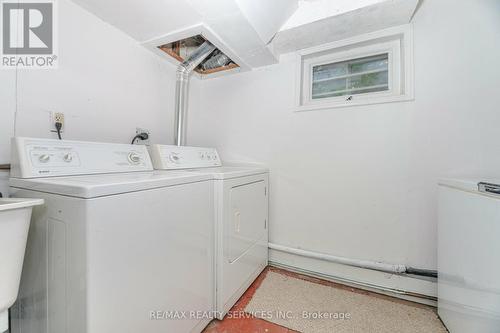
(421, 290)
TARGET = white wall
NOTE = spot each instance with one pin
(106, 84)
(360, 182)
(7, 111)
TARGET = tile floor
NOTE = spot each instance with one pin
(244, 323)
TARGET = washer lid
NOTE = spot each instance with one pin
(92, 186)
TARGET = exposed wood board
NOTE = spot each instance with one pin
(360, 21)
(172, 53)
(177, 47)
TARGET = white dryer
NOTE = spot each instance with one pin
(241, 216)
(117, 247)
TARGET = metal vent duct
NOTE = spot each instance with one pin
(182, 88)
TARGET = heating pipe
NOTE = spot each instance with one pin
(181, 89)
(378, 266)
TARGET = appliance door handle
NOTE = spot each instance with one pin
(237, 221)
(489, 188)
(493, 190)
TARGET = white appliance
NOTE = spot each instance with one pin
(241, 217)
(15, 215)
(468, 255)
(118, 247)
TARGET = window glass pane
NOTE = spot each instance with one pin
(327, 87)
(329, 71)
(368, 80)
(369, 64)
(355, 76)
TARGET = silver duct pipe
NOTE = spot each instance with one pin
(181, 89)
(217, 60)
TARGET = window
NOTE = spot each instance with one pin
(365, 70)
(351, 77)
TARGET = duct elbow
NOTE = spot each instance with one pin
(182, 73)
(182, 68)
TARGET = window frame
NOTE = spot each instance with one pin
(389, 48)
(396, 42)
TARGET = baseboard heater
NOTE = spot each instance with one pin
(374, 265)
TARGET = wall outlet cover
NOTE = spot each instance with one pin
(139, 130)
(56, 117)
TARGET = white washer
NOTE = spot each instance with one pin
(468, 252)
(118, 247)
(241, 217)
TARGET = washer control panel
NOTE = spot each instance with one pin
(43, 157)
(167, 157)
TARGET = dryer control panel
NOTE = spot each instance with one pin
(33, 158)
(167, 157)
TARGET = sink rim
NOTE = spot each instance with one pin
(17, 203)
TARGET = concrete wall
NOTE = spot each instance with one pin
(360, 182)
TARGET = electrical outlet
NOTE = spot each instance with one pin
(139, 130)
(57, 117)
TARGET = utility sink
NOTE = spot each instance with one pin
(15, 216)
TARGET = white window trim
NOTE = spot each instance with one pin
(392, 48)
(397, 42)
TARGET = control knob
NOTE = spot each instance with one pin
(134, 158)
(68, 157)
(44, 158)
(174, 158)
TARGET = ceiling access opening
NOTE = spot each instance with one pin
(182, 50)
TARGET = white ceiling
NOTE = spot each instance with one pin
(144, 20)
(313, 10)
(267, 16)
(378, 16)
(253, 31)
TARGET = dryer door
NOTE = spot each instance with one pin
(248, 222)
